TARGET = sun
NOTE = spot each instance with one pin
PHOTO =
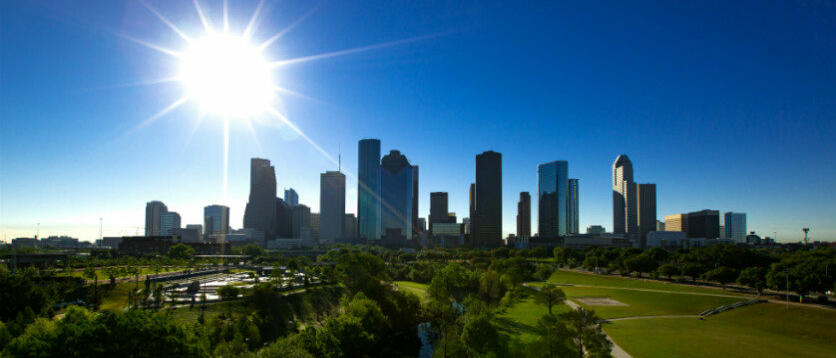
(227, 76)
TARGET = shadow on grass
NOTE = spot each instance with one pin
(511, 327)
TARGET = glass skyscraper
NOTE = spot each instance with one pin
(368, 189)
(216, 219)
(396, 175)
(486, 220)
(331, 206)
(572, 220)
(552, 199)
(735, 226)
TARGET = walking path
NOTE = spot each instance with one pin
(617, 351)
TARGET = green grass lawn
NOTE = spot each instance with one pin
(419, 289)
(763, 330)
(117, 298)
(520, 319)
(211, 310)
(577, 278)
(643, 303)
(103, 277)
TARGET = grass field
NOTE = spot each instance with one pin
(577, 278)
(520, 319)
(117, 298)
(103, 277)
(419, 289)
(763, 330)
(642, 303)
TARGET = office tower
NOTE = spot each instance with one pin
(260, 213)
(301, 218)
(422, 224)
(595, 229)
(524, 215)
(676, 222)
(216, 219)
(735, 226)
(153, 215)
(451, 218)
(315, 227)
(438, 208)
(368, 189)
(187, 234)
(331, 206)
(466, 226)
(486, 222)
(415, 228)
(646, 208)
(169, 221)
(396, 193)
(623, 197)
(350, 231)
(198, 227)
(284, 219)
(704, 223)
(552, 199)
(572, 215)
(660, 225)
(291, 197)
(722, 230)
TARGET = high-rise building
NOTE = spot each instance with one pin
(198, 227)
(472, 202)
(368, 189)
(524, 215)
(660, 225)
(438, 208)
(169, 221)
(331, 206)
(676, 222)
(466, 225)
(284, 219)
(396, 193)
(735, 226)
(572, 214)
(350, 231)
(595, 229)
(553, 198)
(291, 197)
(153, 216)
(646, 208)
(216, 219)
(704, 223)
(415, 228)
(315, 227)
(301, 218)
(623, 197)
(260, 213)
(486, 222)
(422, 224)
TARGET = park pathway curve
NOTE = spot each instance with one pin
(617, 351)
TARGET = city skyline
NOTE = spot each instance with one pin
(72, 152)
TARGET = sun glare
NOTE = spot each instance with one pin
(227, 76)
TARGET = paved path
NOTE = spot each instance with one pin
(645, 317)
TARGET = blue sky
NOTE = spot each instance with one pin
(724, 105)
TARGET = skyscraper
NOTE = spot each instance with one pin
(415, 227)
(396, 193)
(368, 189)
(284, 219)
(676, 222)
(331, 206)
(646, 208)
(438, 208)
(153, 215)
(472, 202)
(735, 226)
(572, 215)
(350, 230)
(486, 222)
(169, 221)
(291, 197)
(524, 215)
(301, 218)
(260, 213)
(623, 197)
(553, 198)
(704, 223)
(216, 219)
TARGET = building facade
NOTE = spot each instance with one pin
(169, 221)
(524, 215)
(704, 224)
(676, 222)
(331, 206)
(438, 208)
(573, 215)
(291, 197)
(216, 220)
(623, 197)
(153, 217)
(735, 227)
(368, 189)
(301, 218)
(415, 229)
(396, 194)
(260, 212)
(486, 221)
(553, 199)
(646, 209)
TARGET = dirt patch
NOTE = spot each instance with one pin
(599, 301)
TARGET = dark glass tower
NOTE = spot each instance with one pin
(260, 213)
(396, 193)
(439, 213)
(331, 207)
(368, 189)
(487, 221)
(524, 215)
(553, 197)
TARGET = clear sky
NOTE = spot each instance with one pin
(727, 105)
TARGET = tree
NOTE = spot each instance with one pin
(550, 295)
(490, 286)
(640, 263)
(722, 274)
(228, 292)
(754, 277)
(90, 274)
(479, 334)
(668, 270)
(553, 337)
(587, 333)
(180, 252)
(691, 270)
